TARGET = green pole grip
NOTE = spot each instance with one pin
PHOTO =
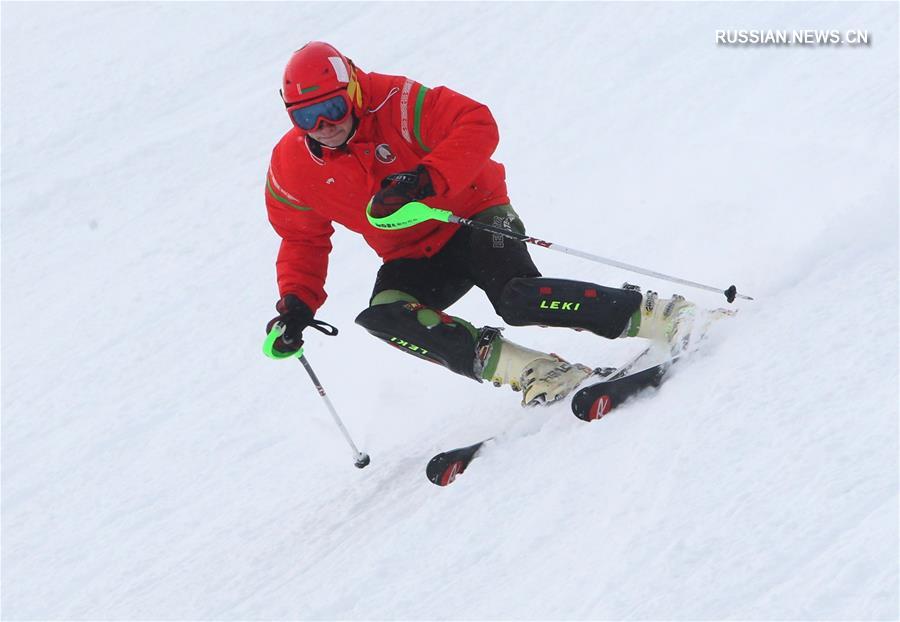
(269, 344)
(409, 215)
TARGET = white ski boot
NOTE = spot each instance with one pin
(667, 320)
(542, 378)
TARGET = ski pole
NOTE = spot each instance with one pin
(360, 459)
(415, 212)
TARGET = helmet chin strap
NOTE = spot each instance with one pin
(317, 146)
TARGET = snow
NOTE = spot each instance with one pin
(156, 466)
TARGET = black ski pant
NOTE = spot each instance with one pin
(470, 258)
(504, 270)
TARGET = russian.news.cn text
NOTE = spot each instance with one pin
(853, 38)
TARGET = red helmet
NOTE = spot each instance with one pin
(318, 72)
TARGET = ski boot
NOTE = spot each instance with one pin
(542, 378)
(667, 320)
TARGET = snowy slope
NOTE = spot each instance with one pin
(156, 466)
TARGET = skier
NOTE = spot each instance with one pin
(360, 136)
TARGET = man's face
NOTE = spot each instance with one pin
(331, 134)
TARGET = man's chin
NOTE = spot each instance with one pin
(331, 141)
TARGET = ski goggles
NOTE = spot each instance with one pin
(308, 116)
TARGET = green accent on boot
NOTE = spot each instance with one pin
(490, 366)
(391, 295)
(634, 324)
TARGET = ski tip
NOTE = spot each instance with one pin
(601, 406)
(442, 471)
(447, 465)
(596, 409)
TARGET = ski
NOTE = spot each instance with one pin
(596, 400)
(444, 467)
(593, 401)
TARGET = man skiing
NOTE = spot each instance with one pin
(362, 137)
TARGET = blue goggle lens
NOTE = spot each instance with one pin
(334, 109)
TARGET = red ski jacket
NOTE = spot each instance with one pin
(401, 124)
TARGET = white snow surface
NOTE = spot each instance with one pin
(156, 466)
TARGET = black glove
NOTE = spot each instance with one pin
(295, 316)
(399, 189)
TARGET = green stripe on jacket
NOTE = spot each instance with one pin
(281, 199)
(417, 117)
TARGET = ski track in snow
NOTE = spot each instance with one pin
(156, 466)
